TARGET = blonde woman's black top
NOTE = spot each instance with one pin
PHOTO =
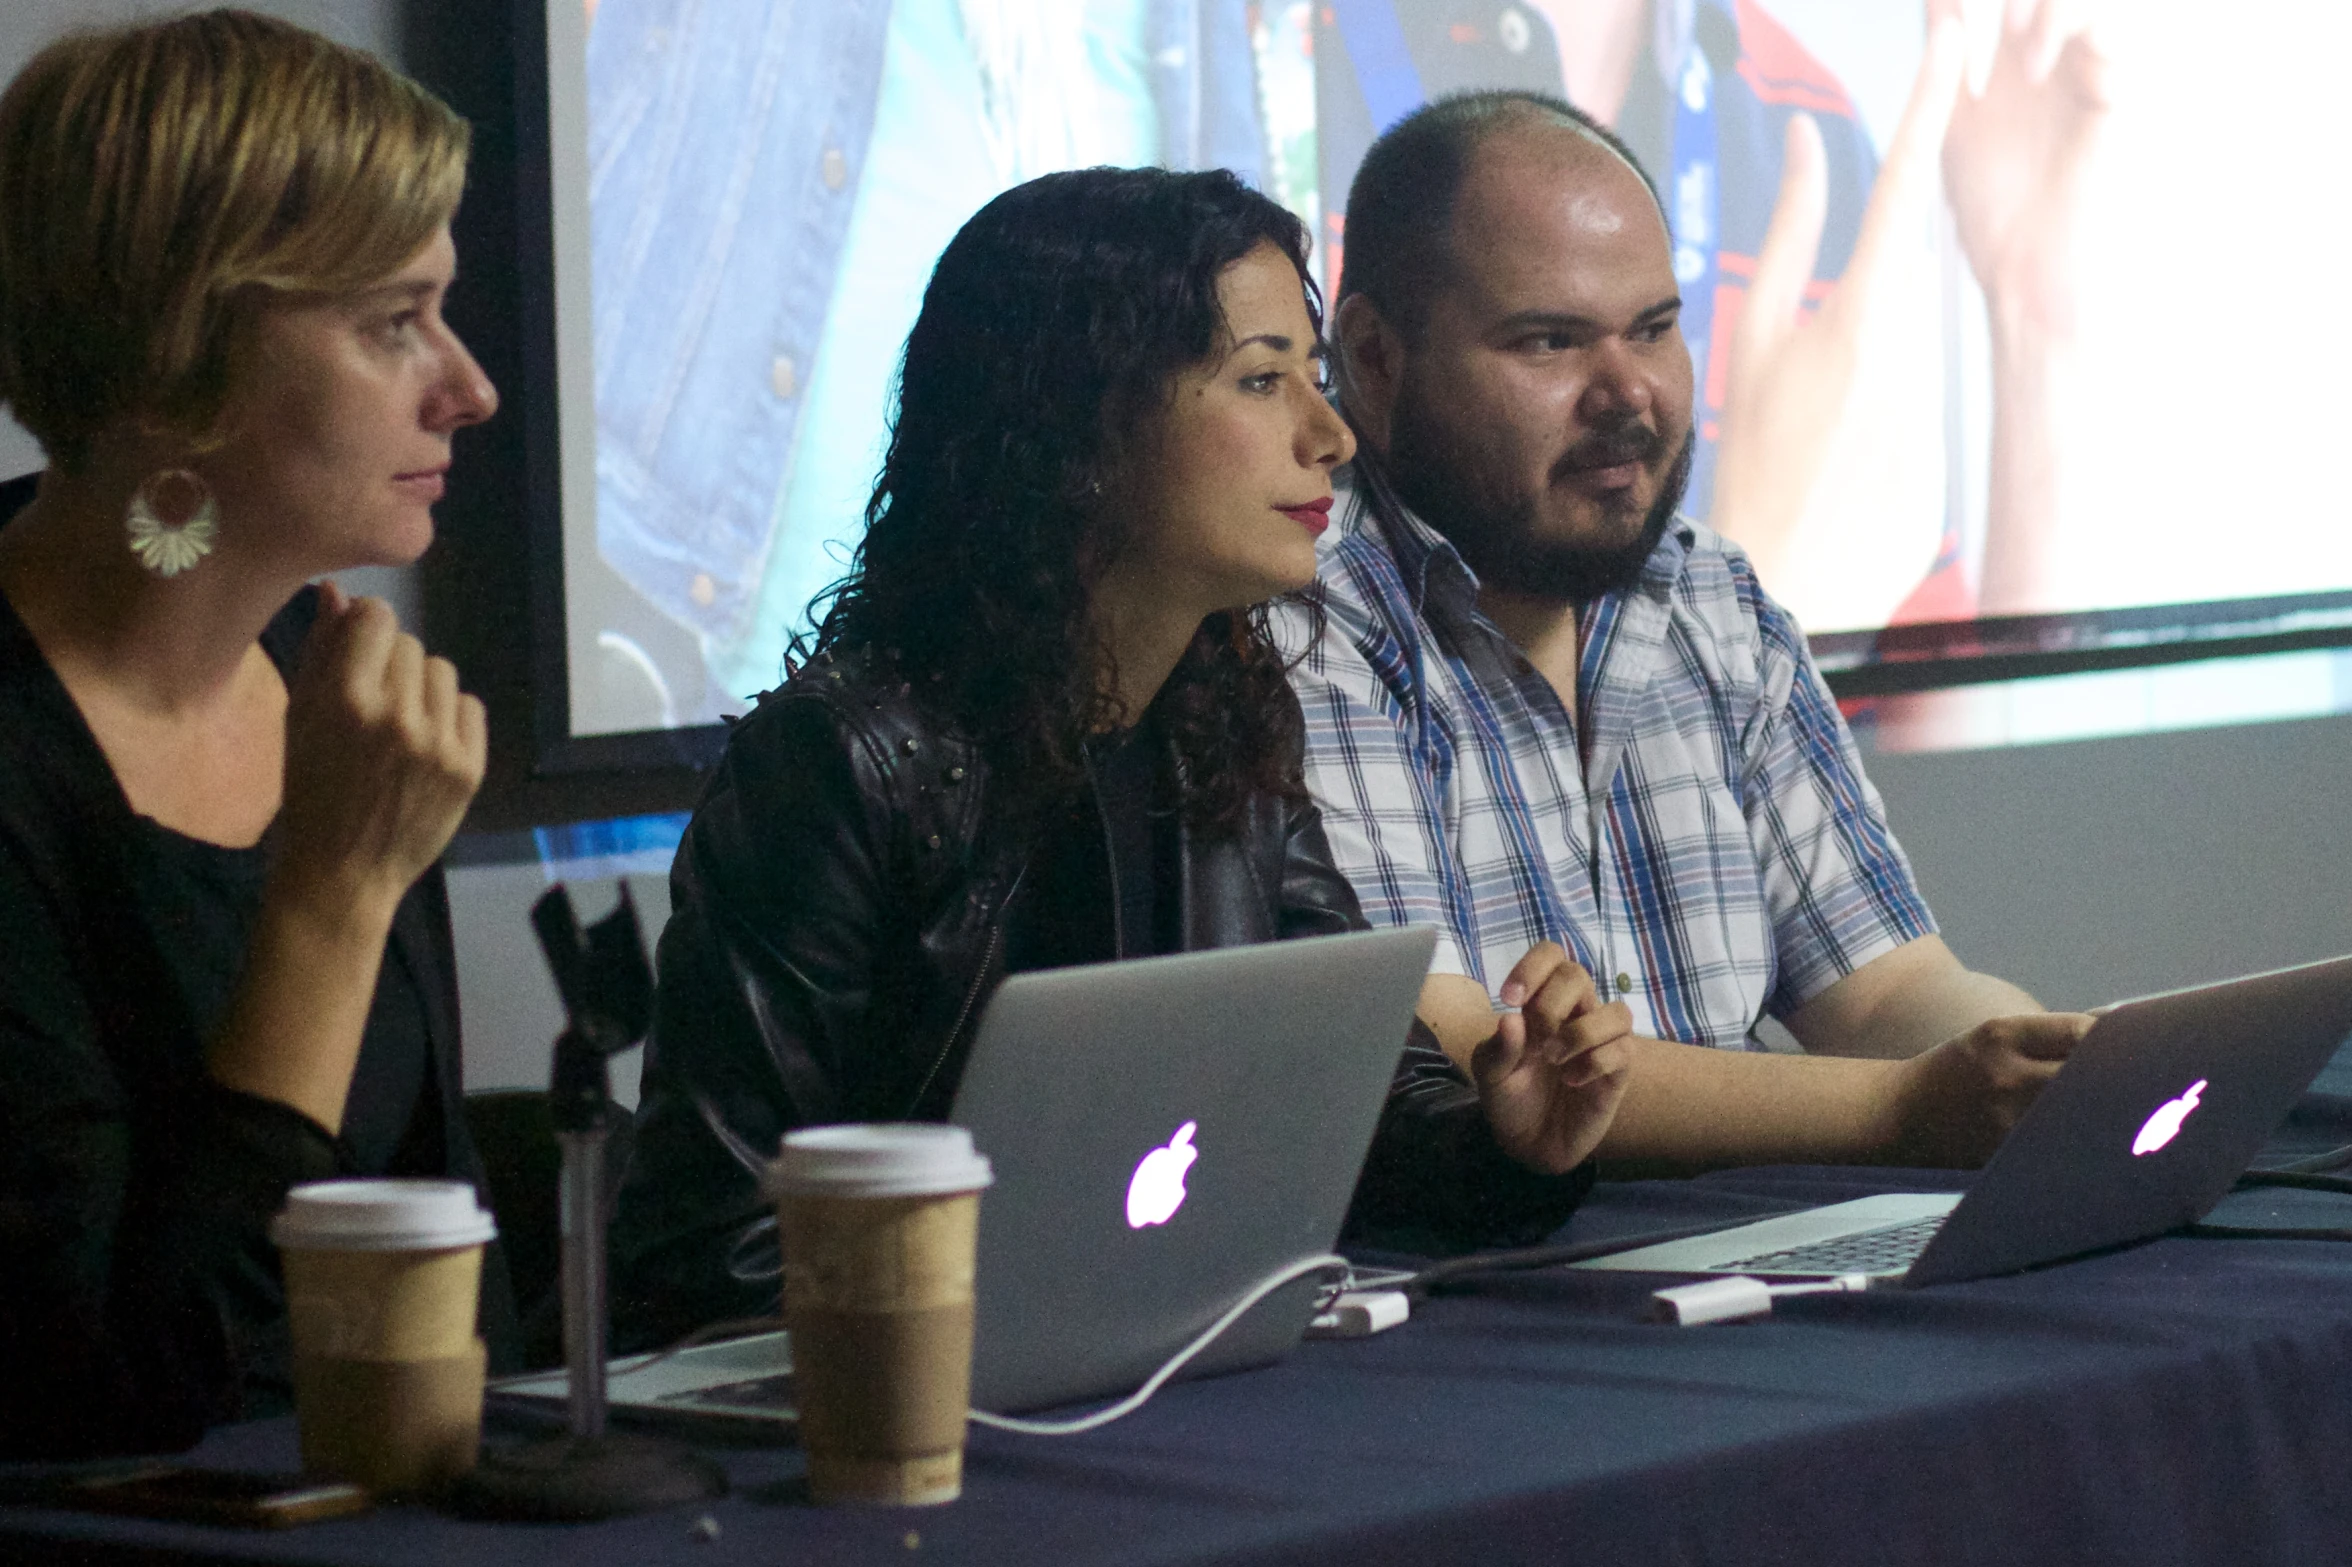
(139, 1295)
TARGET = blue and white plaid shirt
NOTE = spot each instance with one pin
(1718, 855)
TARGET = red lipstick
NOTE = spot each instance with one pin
(1314, 516)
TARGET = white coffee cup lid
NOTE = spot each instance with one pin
(381, 1215)
(878, 1159)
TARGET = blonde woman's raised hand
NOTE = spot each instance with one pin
(383, 754)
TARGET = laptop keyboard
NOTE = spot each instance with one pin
(1888, 1250)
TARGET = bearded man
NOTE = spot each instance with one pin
(1543, 705)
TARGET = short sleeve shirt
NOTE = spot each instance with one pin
(1706, 844)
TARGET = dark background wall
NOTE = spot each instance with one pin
(2085, 871)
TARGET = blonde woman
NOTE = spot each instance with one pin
(224, 246)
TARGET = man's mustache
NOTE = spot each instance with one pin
(1609, 448)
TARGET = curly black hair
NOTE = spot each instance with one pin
(1051, 335)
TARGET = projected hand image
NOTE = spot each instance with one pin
(2017, 156)
(1811, 435)
(1816, 401)
(2020, 146)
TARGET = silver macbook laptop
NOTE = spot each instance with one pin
(2157, 1111)
(1166, 1133)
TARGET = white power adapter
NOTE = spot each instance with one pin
(1712, 1300)
(1360, 1314)
(1736, 1296)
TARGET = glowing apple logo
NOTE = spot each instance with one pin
(2165, 1124)
(1157, 1190)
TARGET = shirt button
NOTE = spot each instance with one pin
(784, 376)
(833, 168)
(702, 589)
(1624, 983)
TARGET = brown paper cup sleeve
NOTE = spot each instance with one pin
(392, 1426)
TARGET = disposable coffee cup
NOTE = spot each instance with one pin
(383, 1284)
(879, 1226)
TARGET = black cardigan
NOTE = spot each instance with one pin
(139, 1296)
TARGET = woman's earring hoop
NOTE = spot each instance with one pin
(164, 546)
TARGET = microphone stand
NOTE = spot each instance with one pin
(580, 1105)
(588, 1473)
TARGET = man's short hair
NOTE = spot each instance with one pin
(157, 180)
(1400, 211)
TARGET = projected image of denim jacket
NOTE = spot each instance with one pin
(769, 183)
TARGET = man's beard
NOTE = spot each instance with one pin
(1494, 529)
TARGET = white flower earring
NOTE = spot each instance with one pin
(172, 521)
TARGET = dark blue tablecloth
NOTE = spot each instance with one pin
(2189, 1401)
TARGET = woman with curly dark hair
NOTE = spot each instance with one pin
(1044, 724)
(1044, 349)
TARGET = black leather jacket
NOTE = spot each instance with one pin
(838, 916)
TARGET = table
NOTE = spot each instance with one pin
(2188, 1400)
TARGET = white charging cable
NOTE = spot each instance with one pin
(1177, 1362)
(1737, 1296)
(1101, 1417)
